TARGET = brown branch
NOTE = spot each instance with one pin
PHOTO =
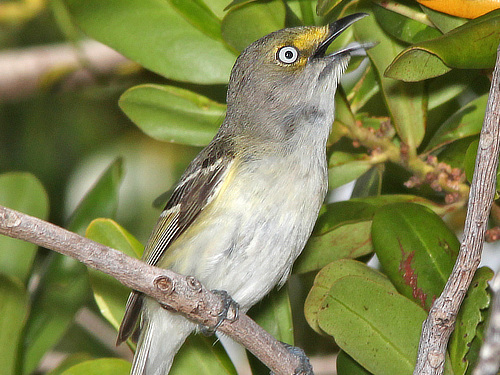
(177, 292)
(22, 71)
(439, 325)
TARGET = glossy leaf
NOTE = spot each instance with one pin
(102, 366)
(22, 192)
(14, 307)
(325, 6)
(469, 317)
(465, 122)
(110, 295)
(416, 249)
(274, 314)
(343, 230)
(235, 3)
(198, 14)
(70, 361)
(100, 201)
(172, 114)
(199, 355)
(328, 276)
(471, 46)
(62, 290)
(405, 102)
(445, 88)
(344, 167)
(364, 90)
(470, 163)
(403, 28)
(245, 24)
(348, 366)
(365, 319)
(415, 64)
(218, 7)
(470, 160)
(444, 22)
(64, 285)
(154, 34)
(369, 184)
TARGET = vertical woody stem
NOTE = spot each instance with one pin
(439, 325)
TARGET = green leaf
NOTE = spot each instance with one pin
(368, 184)
(198, 14)
(328, 276)
(348, 366)
(245, 24)
(100, 201)
(172, 114)
(62, 290)
(366, 88)
(376, 326)
(465, 122)
(415, 64)
(344, 167)
(444, 22)
(470, 160)
(14, 307)
(406, 102)
(199, 355)
(110, 295)
(274, 314)
(347, 241)
(416, 249)
(22, 192)
(235, 3)
(445, 88)
(469, 317)
(470, 163)
(471, 46)
(69, 362)
(343, 230)
(403, 28)
(64, 286)
(218, 7)
(101, 366)
(155, 35)
(325, 6)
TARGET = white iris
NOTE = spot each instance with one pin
(288, 55)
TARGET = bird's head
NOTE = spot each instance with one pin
(287, 74)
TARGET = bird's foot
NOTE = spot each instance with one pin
(305, 367)
(230, 311)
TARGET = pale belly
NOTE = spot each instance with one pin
(246, 240)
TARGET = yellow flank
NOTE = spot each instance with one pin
(308, 39)
(462, 8)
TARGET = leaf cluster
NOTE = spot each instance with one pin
(405, 135)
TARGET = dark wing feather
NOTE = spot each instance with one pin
(199, 184)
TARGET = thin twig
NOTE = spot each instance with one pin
(439, 325)
(177, 292)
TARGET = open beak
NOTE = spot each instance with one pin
(335, 29)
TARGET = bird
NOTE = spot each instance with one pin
(246, 205)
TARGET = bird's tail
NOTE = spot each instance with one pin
(162, 334)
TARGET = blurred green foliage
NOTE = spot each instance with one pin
(406, 129)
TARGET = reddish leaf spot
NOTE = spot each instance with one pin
(409, 276)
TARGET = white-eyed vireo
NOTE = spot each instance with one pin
(246, 205)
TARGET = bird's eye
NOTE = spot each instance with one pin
(287, 55)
